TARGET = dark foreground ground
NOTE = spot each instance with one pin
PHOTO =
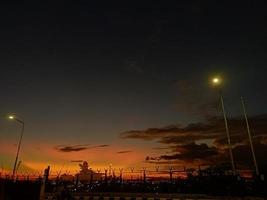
(212, 186)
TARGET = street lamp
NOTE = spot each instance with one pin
(217, 81)
(12, 117)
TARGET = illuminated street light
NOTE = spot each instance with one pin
(217, 81)
(12, 117)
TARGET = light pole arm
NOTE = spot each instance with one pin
(20, 121)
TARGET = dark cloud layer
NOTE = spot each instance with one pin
(191, 152)
(76, 148)
(124, 152)
(71, 148)
(211, 128)
(206, 141)
(99, 146)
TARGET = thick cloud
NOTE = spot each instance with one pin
(206, 141)
(99, 146)
(177, 134)
(189, 153)
(151, 133)
(192, 151)
(243, 155)
(71, 148)
(211, 128)
(124, 152)
(76, 148)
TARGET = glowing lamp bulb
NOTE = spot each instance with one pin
(11, 117)
(216, 81)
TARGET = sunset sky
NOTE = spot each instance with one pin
(129, 84)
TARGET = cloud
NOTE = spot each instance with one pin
(177, 134)
(205, 141)
(99, 146)
(103, 145)
(243, 153)
(71, 148)
(124, 152)
(190, 152)
(194, 151)
(151, 133)
(211, 128)
(77, 148)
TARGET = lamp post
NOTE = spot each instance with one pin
(12, 117)
(217, 81)
(250, 138)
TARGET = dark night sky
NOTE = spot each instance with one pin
(94, 70)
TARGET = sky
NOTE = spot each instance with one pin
(128, 84)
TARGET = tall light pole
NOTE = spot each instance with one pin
(12, 117)
(217, 81)
(250, 138)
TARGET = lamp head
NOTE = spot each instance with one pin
(11, 117)
(14, 117)
(216, 81)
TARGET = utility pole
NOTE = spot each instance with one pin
(12, 117)
(250, 138)
(217, 81)
(228, 134)
(44, 181)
